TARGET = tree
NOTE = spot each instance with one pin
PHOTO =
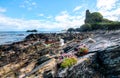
(77, 29)
(71, 30)
(96, 17)
(86, 27)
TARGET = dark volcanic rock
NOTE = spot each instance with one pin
(101, 63)
(67, 48)
(48, 74)
(110, 62)
(42, 59)
(44, 52)
(35, 37)
(87, 67)
(31, 31)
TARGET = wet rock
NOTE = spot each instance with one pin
(43, 59)
(110, 61)
(44, 51)
(67, 48)
(35, 36)
(48, 74)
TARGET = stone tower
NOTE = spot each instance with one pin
(87, 16)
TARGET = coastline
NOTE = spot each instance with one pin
(31, 49)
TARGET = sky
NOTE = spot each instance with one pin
(52, 15)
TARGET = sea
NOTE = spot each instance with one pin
(8, 37)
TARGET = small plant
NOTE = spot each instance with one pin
(68, 62)
(82, 50)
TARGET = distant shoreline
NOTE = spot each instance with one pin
(22, 34)
(9, 37)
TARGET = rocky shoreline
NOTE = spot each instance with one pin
(36, 56)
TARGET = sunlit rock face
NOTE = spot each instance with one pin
(87, 67)
(102, 62)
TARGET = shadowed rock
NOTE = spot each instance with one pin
(110, 62)
(35, 36)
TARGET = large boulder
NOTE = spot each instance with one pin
(86, 67)
(35, 36)
(109, 60)
(45, 70)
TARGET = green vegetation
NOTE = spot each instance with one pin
(94, 17)
(83, 51)
(71, 30)
(68, 62)
(106, 26)
(86, 27)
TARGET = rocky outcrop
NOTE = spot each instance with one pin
(31, 59)
(31, 31)
(87, 67)
(109, 60)
(98, 64)
(16, 63)
(45, 70)
(103, 60)
(35, 36)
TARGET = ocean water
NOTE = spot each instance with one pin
(8, 37)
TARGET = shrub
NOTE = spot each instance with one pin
(82, 50)
(96, 17)
(71, 30)
(68, 62)
(86, 27)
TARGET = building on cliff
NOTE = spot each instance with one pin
(93, 17)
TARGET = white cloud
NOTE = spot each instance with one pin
(22, 6)
(19, 24)
(77, 8)
(62, 21)
(112, 15)
(105, 4)
(49, 17)
(40, 15)
(33, 3)
(66, 20)
(109, 9)
(62, 17)
(2, 9)
(28, 4)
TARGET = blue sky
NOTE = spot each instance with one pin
(52, 15)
